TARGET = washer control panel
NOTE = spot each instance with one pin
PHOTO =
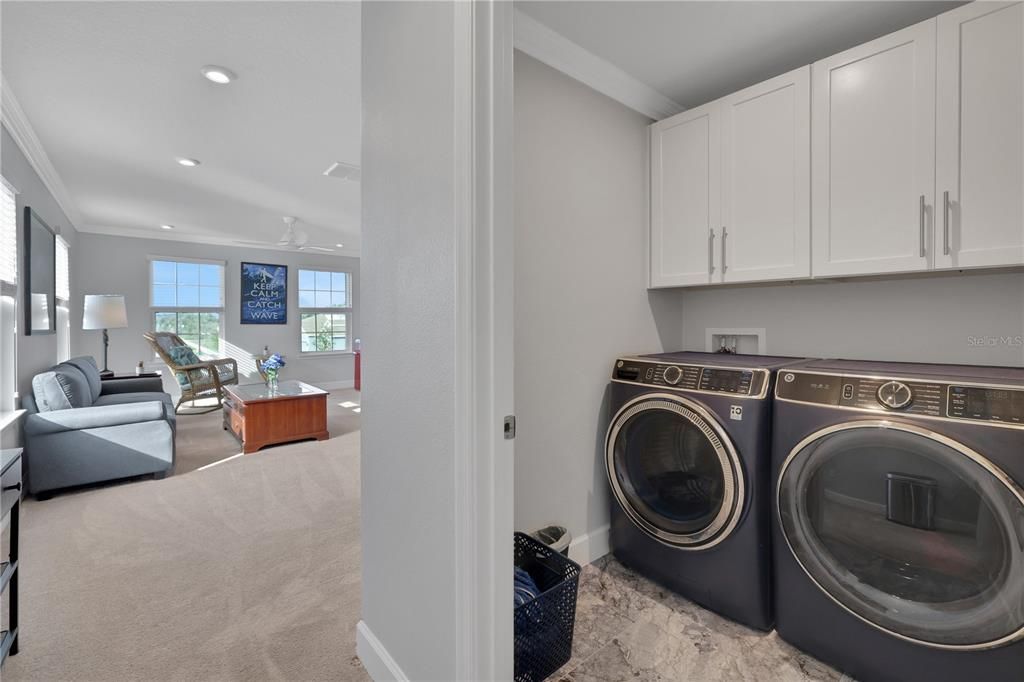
(987, 403)
(904, 396)
(747, 382)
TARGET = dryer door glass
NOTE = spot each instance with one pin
(673, 471)
(911, 531)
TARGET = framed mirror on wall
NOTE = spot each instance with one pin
(40, 275)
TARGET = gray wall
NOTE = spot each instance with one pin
(956, 318)
(408, 420)
(119, 265)
(580, 288)
(39, 351)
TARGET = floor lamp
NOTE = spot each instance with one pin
(104, 311)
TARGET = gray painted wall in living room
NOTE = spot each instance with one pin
(581, 299)
(39, 351)
(120, 265)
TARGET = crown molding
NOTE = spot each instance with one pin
(192, 238)
(558, 52)
(17, 124)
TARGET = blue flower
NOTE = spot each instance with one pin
(274, 362)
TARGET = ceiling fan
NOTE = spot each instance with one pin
(293, 238)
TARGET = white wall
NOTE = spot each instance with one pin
(119, 265)
(408, 249)
(38, 351)
(581, 299)
(921, 319)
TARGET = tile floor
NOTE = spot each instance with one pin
(628, 628)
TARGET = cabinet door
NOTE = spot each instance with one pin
(980, 145)
(873, 155)
(685, 200)
(766, 180)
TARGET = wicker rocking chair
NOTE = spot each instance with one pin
(196, 378)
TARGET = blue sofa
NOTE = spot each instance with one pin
(113, 429)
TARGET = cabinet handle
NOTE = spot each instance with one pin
(16, 486)
(711, 250)
(723, 250)
(921, 222)
(945, 223)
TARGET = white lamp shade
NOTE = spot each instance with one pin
(104, 311)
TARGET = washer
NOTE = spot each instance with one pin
(898, 532)
(688, 454)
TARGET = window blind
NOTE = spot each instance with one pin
(63, 271)
(8, 234)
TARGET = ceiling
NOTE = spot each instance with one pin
(695, 52)
(114, 92)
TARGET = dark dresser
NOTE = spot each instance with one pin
(10, 509)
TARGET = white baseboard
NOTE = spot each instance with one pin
(590, 547)
(328, 385)
(375, 657)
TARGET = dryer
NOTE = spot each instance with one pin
(687, 454)
(899, 518)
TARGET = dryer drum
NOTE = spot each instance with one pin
(911, 531)
(674, 472)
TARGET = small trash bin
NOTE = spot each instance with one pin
(544, 625)
(555, 537)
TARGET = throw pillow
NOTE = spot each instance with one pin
(49, 392)
(183, 355)
(75, 385)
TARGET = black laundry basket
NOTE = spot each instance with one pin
(543, 626)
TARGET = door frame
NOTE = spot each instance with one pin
(484, 352)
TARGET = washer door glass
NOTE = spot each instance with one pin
(911, 531)
(672, 471)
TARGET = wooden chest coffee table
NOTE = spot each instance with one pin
(259, 416)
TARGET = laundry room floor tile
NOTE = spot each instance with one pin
(629, 628)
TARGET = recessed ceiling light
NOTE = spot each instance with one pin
(218, 74)
(340, 246)
(167, 227)
(188, 163)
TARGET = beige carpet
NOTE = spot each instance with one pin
(246, 570)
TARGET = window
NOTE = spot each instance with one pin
(8, 234)
(187, 298)
(63, 281)
(325, 307)
(8, 296)
(63, 278)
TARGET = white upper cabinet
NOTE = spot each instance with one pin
(904, 154)
(766, 187)
(685, 199)
(980, 145)
(873, 158)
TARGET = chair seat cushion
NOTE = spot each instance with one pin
(224, 372)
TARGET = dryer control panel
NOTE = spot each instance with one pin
(904, 396)
(705, 379)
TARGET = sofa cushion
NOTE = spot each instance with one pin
(49, 392)
(76, 386)
(87, 366)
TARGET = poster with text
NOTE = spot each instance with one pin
(264, 293)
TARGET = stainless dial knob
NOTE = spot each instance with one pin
(672, 375)
(894, 395)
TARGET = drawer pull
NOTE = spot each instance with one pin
(16, 486)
